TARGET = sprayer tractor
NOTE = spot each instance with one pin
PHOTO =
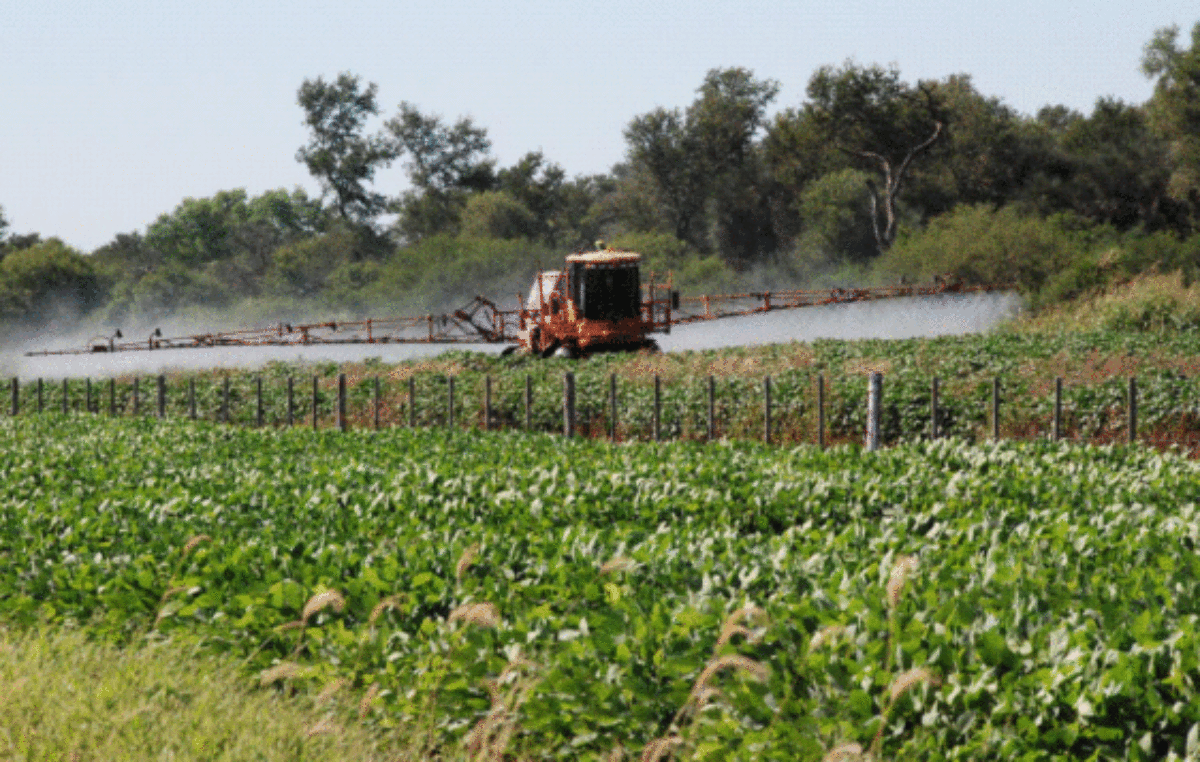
(597, 302)
(594, 304)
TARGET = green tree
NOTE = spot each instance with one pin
(837, 225)
(171, 288)
(795, 153)
(445, 163)
(338, 154)
(729, 116)
(541, 188)
(982, 156)
(199, 230)
(1174, 108)
(3, 226)
(496, 214)
(45, 280)
(581, 216)
(230, 236)
(301, 269)
(127, 257)
(882, 123)
(703, 166)
(1120, 169)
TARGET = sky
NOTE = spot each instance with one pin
(113, 111)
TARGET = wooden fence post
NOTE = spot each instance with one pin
(87, 395)
(65, 397)
(40, 407)
(316, 406)
(528, 402)
(192, 398)
(612, 406)
(341, 408)
(657, 408)
(712, 408)
(1133, 409)
(291, 399)
(412, 402)
(569, 404)
(487, 403)
(112, 397)
(821, 411)
(258, 402)
(162, 396)
(1057, 435)
(137, 397)
(224, 400)
(874, 409)
(996, 409)
(377, 403)
(933, 409)
(767, 409)
(16, 396)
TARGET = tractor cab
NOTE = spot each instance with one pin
(605, 285)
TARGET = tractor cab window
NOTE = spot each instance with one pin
(606, 291)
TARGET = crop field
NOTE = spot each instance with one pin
(486, 594)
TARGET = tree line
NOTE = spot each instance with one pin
(870, 178)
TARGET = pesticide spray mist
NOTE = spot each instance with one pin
(916, 317)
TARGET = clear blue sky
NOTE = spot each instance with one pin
(113, 112)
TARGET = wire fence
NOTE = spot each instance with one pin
(708, 408)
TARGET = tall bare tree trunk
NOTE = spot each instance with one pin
(885, 229)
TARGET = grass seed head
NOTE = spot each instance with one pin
(170, 592)
(733, 624)
(328, 599)
(901, 569)
(844, 753)
(329, 691)
(730, 629)
(364, 705)
(390, 602)
(618, 564)
(481, 614)
(704, 696)
(282, 671)
(910, 679)
(466, 560)
(660, 748)
(191, 544)
(738, 663)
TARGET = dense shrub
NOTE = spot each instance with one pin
(981, 244)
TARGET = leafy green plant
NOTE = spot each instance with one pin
(1053, 579)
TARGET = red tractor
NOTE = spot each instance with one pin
(594, 304)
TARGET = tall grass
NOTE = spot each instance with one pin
(63, 697)
(1153, 302)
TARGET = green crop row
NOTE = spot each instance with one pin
(935, 600)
